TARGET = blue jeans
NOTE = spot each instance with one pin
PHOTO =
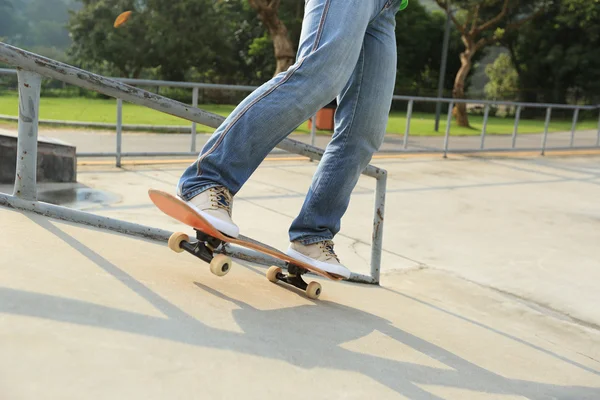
(347, 52)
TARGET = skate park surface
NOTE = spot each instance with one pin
(489, 290)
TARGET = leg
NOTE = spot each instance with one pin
(332, 35)
(360, 123)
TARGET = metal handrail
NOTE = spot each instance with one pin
(31, 67)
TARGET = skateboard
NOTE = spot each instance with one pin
(209, 239)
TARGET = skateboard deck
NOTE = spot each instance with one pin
(211, 237)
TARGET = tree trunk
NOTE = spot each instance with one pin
(458, 92)
(282, 44)
(284, 49)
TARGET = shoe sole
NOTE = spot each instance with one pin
(331, 268)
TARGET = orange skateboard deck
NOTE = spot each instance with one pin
(209, 238)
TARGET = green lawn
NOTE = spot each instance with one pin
(95, 110)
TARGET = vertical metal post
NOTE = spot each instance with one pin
(516, 127)
(119, 131)
(574, 126)
(448, 122)
(195, 105)
(486, 114)
(408, 116)
(377, 240)
(598, 137)
(438, 106)
(546, 125)
(30, 85)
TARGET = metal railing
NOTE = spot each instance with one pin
(31, 68)
(487, 104)
(444, 149)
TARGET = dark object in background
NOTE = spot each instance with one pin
(56, 160)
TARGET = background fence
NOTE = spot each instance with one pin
(580, 131)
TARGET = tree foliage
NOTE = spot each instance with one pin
(481, 23)
(186, 39)
(98, 46)
(419, 37)
(557, 58)
(228, 42)
(504, 81)
(35, 23)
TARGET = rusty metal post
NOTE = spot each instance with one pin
(377, 240)
(119, 131)
(598, 137)
(516, 127)
(546, 125)
(408, 117)
(448, 122)
(30, 85)
(574, 126)
(486, 114)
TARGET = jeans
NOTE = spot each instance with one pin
(347, 52)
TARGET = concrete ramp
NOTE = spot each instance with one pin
(90, 314)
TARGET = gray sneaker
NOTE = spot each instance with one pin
(215, 205)
(321, 255)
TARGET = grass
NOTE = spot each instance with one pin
(104, 111)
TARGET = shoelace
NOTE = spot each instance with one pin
(221, 198)
(327, 247)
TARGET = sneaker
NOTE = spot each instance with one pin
(215, 205)
(321, 255)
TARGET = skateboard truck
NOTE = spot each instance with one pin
(294, 278)
(204, 248)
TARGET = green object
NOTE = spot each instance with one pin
(403, 4)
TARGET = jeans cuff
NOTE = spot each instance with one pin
(189, 195)
(308, 240)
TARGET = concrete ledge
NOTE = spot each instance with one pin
(56, 161)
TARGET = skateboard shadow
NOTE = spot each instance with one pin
(306, 336)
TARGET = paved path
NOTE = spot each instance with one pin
(95, 141)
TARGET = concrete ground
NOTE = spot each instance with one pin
(489, 291)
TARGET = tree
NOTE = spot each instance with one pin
(35, 24)
(97, 45)
(186, 34)
(285, 53)
(557, 57)
(48, 24)
(504, 80)
(9, 20)
(419, 37)
(481, 23)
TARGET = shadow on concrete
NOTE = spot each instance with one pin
(306, 336)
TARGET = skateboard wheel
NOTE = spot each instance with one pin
(176, 239)
(272, 273)
(220, 265)
(313, 290)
